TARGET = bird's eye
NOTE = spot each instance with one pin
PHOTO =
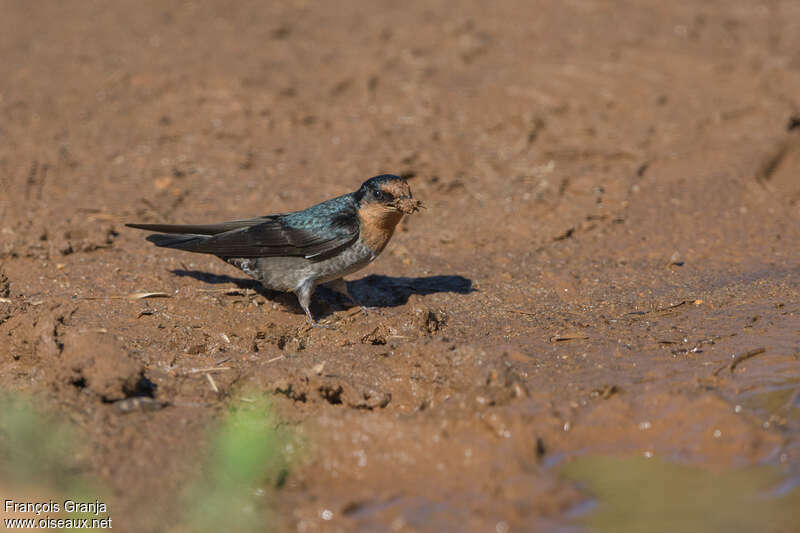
(378, 195)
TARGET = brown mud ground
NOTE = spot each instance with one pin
(613, 193)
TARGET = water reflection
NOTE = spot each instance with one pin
(639, 494)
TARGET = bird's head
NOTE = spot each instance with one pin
(387, 192)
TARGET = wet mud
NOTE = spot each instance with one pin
(605, 274)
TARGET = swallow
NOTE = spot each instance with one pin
(296, 252)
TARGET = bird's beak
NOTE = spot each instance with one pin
(407, 205)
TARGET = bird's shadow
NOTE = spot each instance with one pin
(371, 291)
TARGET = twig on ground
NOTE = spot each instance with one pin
(739, 358)
(212, 383)
(206, 370)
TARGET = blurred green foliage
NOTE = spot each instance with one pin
(247, 456)
(34, 447)
(39, 460)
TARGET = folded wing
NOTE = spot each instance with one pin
(316, 235)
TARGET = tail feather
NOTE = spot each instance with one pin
(179, 241)
(190, 237)
(199, 229)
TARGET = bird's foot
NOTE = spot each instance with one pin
(311, 324)
(363, 309)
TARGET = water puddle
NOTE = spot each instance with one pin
(640, 494)
(776, 399)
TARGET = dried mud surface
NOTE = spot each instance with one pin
(612, 213)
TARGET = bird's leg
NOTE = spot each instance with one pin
(340, 285)
(303, 293)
